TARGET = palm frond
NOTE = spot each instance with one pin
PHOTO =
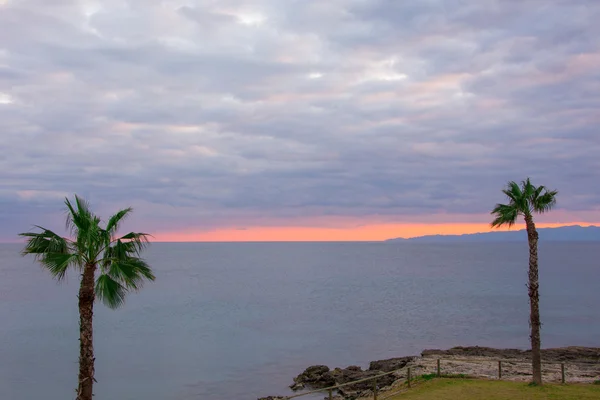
(58, 264)
(131, 272)
(105, 238)
(78, 217)
(113, 222)
(110, 292)
(523, 200)
(43, 242)
(50, 250)
(545, 202)
(122, 263)
(121, 268)
(138, 241)
(117, 251)
(84, 226)
(513, 191)
(527, 188)
(535, 196)
(517, 195)
(121, 250)
(506, 214)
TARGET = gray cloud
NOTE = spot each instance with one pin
(226, 113)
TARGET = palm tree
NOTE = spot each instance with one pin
(89, 247)
(525, 200)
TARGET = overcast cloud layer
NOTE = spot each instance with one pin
(224, 113)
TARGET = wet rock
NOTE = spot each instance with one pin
(350, 375)
(297, 386)
(316, 376)
(320, 376)
(390, 365)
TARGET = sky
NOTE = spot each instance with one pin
(296, 120)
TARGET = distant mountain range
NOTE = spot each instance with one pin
(573, 233)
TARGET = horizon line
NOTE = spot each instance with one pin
(515, 228)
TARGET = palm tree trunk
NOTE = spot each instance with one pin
(534, 301)
(86, 342)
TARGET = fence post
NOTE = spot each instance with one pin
(499, 369)
(562, 372)
(438, 368)
(408, 377)
(374, 389)
(330, 394)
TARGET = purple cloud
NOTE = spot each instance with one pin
(206, 113)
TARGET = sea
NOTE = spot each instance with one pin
(228, 321)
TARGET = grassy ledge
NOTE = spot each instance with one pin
(475, 389)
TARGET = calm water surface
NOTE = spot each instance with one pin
(238, 321)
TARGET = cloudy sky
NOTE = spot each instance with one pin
(296, 119)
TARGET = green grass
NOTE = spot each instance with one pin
(475, 389)
(428, 377)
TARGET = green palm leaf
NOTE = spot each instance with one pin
(131, 272)
(57, 264)
(115, 221)
(110, 292)
(522, 200)
(121, 267)
(137, 241)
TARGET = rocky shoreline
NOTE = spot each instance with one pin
(582, 365)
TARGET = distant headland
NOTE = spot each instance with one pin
(573, 233)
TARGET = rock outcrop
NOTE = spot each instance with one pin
(390, 365)
(320, 376)
(316, 376)
(582, 365)
(561, 354)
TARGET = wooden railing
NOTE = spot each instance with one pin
(330, 389)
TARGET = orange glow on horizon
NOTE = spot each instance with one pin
(374, 232)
